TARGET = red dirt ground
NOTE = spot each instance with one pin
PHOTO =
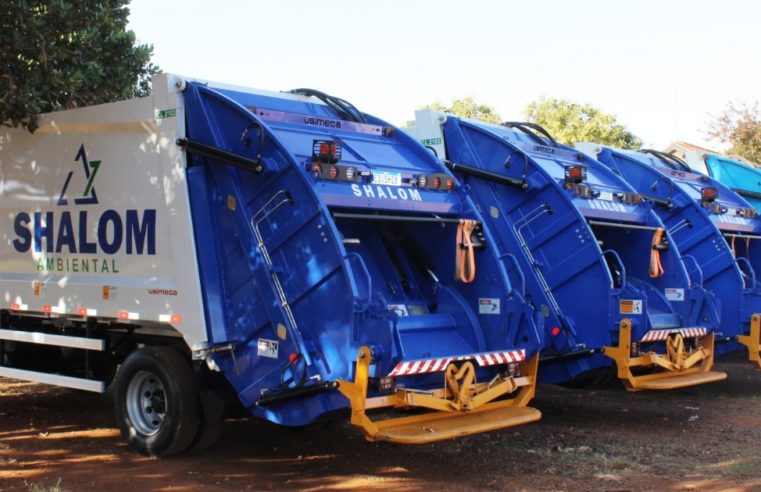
(703, 438)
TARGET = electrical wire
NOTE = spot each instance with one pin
(343, 108)
(529, 129)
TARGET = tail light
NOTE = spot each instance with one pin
(575, 174)
(709, 194)
(333, 172)
(326, 151)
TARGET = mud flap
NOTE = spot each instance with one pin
(461, 408)
(680, 369)
(753, 340)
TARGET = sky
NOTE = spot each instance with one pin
(661, 67)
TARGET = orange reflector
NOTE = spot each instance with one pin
(47, 308)
(15, 306)
(450, 184)
(82, 312)
(176, 318)
(122, 315)
(709, 194)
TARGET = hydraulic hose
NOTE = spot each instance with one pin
(656, 268)
(465, 258)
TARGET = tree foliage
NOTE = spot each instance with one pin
(60, 54)
(570, 122)
(740, 126)
(466, 108)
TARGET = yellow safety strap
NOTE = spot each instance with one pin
(465, 258)
(656, 268)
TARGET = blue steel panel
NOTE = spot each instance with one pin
(697, 232)
(568, 275)
(278, 268)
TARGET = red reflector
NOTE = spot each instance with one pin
(293, 357)
(82, 312)
(15, 307)
(47, 308)
(328, 149)
(709, 194)
(555, 331)
(176, 318)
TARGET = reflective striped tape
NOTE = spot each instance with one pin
(660, 335)
(425, 366)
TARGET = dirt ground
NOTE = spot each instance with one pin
(703, 438)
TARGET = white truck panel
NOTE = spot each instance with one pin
(95, 218)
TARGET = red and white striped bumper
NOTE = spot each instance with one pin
(660, 335)
(424, 366)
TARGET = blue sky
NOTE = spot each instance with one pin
(660, 66)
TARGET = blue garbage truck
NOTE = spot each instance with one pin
(710, 223)
(212, 246)
(598, 262)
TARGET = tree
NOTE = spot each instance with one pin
(464, 108)
(570, 122)
(60, 54)
(740, 126)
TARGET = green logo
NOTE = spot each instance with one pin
(166, 113)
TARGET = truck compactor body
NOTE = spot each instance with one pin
(213, 244)
(598, 262)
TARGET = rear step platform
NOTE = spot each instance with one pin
(427, 428)
(463, 407)
(680, 367)
(682, 381)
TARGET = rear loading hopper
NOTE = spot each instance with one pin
(596, 260)
(709, 223)
(343, 265)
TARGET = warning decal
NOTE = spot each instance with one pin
(488, 305)
(267, 348)
(630, 306)
(675, 294)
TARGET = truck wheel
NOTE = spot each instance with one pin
(156, 403)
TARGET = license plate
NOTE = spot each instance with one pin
(387, 178)
(606, 195)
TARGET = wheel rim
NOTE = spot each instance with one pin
(146, 403)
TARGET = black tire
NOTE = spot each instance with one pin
(155, 401)
(211, 411)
